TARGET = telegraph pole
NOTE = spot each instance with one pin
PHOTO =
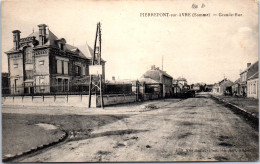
(96, 68)
(162, 63)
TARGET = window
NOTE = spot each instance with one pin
(15, 85)
(66, 85)
(86, 71)
(15, 65)
(41, 85)
(66, 68)
(60, 85)
(59, 66)
(61, 46)
(78, 70)
(62, 67)
(83, 71)
(28, 74)
(41, 62)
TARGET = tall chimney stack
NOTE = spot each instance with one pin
(248, 64)
(42, 34)
(16, 39)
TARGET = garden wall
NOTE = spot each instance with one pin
(53, 100)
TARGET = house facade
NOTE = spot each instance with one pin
(244, 75)
(223, 87)
(236, 88)
(252, 86)
(44, 63)
(161, 78)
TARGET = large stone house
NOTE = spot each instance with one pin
(44, 63)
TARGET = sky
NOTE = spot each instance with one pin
(201, 49)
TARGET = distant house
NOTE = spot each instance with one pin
(122, 86)
(215, 88)
(244, 75)
(236, 87)
(223, 87)
(208, 87)
(161, 77)
(196, 87)
(181, 82)
(252, 86)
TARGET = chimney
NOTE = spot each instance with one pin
(153, 67)
(248, 64)
(16, 39)
(42, 34)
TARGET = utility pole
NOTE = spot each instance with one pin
(96, 68)
(162, 63)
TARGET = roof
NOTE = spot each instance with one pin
(254, 76)
(121, 81)
(181, 79)
(249, 67)
(147, 80)
(84, 51)
(237, 81)
(155, 74)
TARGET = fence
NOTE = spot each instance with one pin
(41, 90)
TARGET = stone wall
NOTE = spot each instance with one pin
(116, 99)
(58, 100)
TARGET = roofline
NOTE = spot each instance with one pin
(253, 75)
(248, 67)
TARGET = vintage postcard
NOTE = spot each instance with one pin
(129, 81)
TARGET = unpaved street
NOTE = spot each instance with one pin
(194, 129)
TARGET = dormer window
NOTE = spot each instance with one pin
(61, 46)
(61, 43)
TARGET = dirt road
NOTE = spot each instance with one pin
(194, 129)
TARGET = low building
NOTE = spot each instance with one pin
(161, 77)
(208, 87)
(236, 88)
(196, 87)
(223, 87)
(181, 82)
(252, 86)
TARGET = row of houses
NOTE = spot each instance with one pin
(153, 81)
(246, 85)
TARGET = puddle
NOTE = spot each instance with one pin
(47, 126)
(220, 158)
(184, 135)
(225, 144)
(103, 152)
(186, 123)
(222, 138)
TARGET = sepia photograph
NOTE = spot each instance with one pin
(129, 81)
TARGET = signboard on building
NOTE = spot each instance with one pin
(95, 69)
